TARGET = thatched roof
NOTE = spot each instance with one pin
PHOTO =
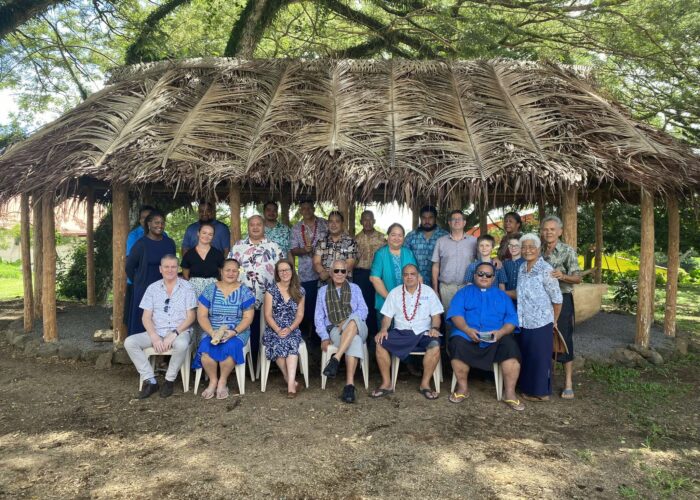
(349, 126)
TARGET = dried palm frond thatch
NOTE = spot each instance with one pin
(350, 127)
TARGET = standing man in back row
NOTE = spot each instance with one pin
(421, 241)
(222, 236)
(275, 230)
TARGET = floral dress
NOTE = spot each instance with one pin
(284, 312)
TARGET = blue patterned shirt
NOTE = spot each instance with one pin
(280, 234)
(512, 267)
(537, 291)
(422, 249)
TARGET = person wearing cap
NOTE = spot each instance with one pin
(483, 319)
(421, 241)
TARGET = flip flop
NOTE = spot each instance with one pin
(222, 393)
(535, 399)
(567, 394)
(428, 393)
(380, 393)
(208, 393)
(458, 397)
(514, 404)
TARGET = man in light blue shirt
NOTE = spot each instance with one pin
(222, 236)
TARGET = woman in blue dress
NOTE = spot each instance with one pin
(230, 304)
(143, 265)
(283, 307)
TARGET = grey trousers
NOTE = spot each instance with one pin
(356, 348)
(135, 345)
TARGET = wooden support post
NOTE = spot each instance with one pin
(344, 208)
(673, 264)
(415, 215)
(351, 218)
(598, 209)
(25, 244)
(483, 217)
(234, 201)
(49, 271)
(90, 250)
(541, 210)
(284, 208)
(647, 279)
(569, 216)
(120, 231)
(37, 217)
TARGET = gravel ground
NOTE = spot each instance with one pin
(77, 323)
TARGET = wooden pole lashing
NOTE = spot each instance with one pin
(90, 248)
(673, 265)
(120, 231)
(647, 279)
(25, 245)
(598, 210)
(49, 271)
(37, 216)
(234, 201)
(569, 216)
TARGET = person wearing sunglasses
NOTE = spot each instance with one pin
(484, 318)
(340, 319)
(168, 313)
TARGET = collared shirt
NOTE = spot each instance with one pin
(321, 320)
(429, 305)
(257, 264)
(537, 291)
(280, 234)
(422, 249)
(222, 236)
(367, 246)
(179, 302)
(329, 251)
(485, 310)
(512, 267)
(454, 257)
(501, 277)
(311, 234)
(563, 258)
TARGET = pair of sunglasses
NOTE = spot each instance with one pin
(482, 274)
(340, 271)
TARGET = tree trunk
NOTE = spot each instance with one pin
(569, 215)
(645, 287)
(120, 231)
(285, 206)
(352, 214)
(90, 250)
(49, 271)
(344, 208)
(234, 198)
(37, 217)
(250, 26)
(673, 264)
(25, 244)
(598, 274)
(15, 13)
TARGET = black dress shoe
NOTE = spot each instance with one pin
(348, 394)
(331, 369)
(148, 389)
(167, 389)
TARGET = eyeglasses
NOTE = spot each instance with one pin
(286, 270)
(513, 246)
(483, 274)
(528, 248)
(457, 219)
(167, 305)
(340, 271)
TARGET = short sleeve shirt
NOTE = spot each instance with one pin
(343, 249)
(257, 265)
(222, 236)
(367, 246)
(168, 311)
(563, 258)
(280, 234)
(454, 257)
(302, 234)
(422, 249)
(428, 305)
(203, 268)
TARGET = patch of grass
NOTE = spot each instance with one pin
(666, 483)
(687, 308)
(10, 280)
(585, 455)
(10, 270)
(627, 491)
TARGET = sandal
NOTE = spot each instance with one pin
(428, 393)
(222, 393)
(291, 395)
(208, 393)
(381, 392)
(514, 404)
(535, 399)
(458, 397)
(567, 394)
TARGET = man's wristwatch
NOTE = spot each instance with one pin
(174, 330)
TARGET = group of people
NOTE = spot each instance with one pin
(314, 282)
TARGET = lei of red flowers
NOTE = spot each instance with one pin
(415, 308)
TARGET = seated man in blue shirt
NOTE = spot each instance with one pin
(484, 318)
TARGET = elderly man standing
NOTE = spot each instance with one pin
(274, 229)
(415, 310)
(222, 236)
(335, 246)
(340, 319)
(484, 318)
(564, 260)
(421, 241)
(168, 313)
(257, 256)
(369, 240)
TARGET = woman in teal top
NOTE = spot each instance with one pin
(388, 263)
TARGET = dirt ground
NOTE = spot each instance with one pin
(67, 430)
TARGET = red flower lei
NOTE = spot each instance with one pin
(303, 232)
(415, 308)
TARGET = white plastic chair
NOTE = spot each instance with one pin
(498, 377)
(239, 369)
(151, 353)
(364, 364)
(265, 363)
(437, 374)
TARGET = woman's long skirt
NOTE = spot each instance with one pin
(536, 346)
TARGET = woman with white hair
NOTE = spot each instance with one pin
(539, 305)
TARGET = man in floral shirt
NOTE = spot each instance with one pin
(275, 230)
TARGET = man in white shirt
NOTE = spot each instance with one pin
(168, 314)
(415, 310)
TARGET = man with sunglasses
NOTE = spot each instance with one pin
(169, 307)
(340, 319)
(483, 318)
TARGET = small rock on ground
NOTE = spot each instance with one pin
(48, 350)
(104, 361)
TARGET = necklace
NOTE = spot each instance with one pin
(303, 233)
(415, 308)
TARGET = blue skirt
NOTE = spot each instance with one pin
(220, 352)
(536, 346)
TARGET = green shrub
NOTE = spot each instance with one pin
(625, 296)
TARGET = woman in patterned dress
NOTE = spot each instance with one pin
(202, 264)
(225, 303)
(284, 311)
